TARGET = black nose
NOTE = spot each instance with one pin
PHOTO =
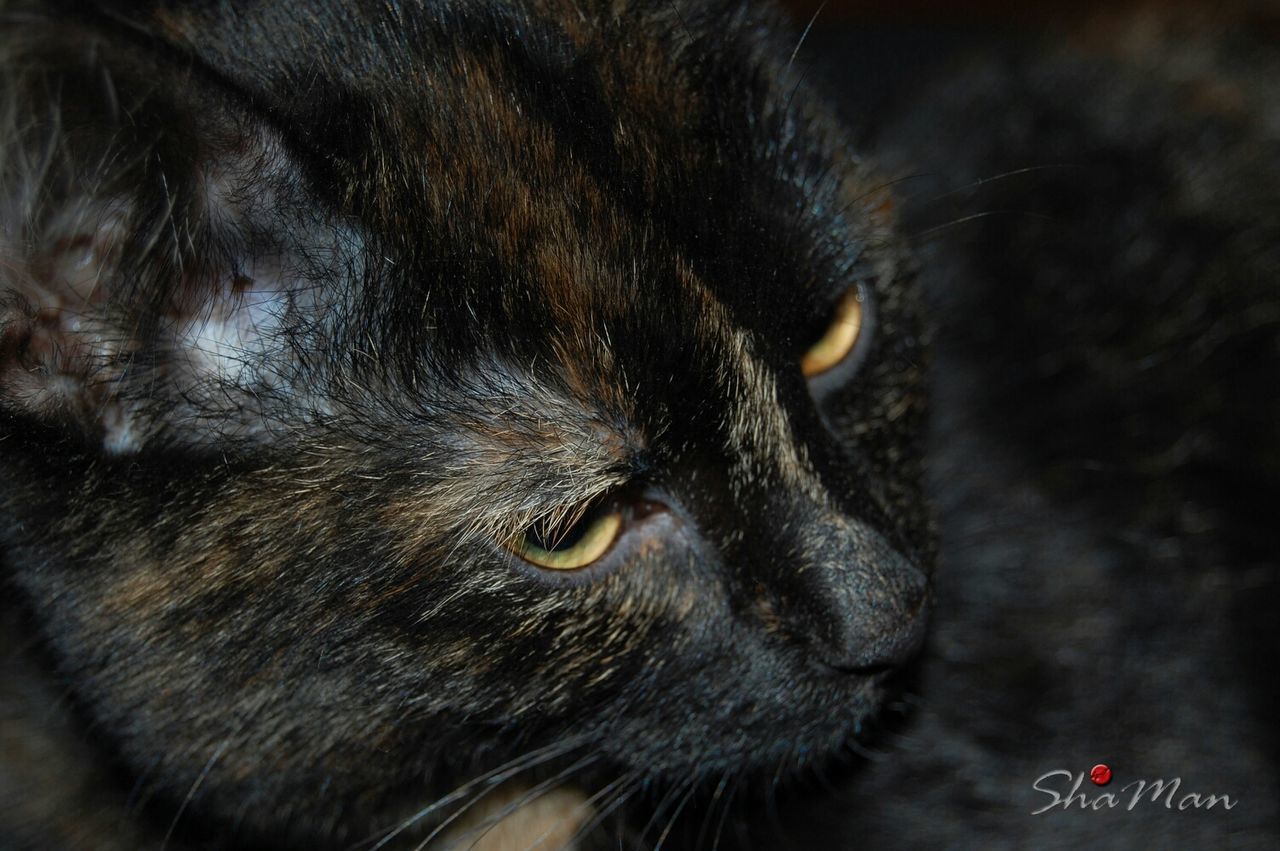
(858, 603)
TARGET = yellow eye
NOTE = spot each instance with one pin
(839, 340)
(561, 547)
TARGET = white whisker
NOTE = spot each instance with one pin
(491, 778)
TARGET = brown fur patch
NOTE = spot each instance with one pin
(549, 822)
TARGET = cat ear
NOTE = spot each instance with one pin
(149, 275)
(123, 339)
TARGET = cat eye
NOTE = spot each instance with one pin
(840, 338)
(571, 545)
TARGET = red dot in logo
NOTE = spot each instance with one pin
(1100, 774)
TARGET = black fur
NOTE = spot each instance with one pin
(523, 257)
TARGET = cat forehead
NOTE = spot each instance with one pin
(581, 187)
(559, 114)
(531, 166)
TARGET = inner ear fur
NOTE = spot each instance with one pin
(134, 285)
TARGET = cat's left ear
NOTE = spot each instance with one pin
(157, 266)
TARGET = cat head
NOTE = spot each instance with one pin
(391, 391)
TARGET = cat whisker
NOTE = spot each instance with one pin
(996, 178)
(881, 187)
(629, 781)
(928, 232)
(805, 34)
(492, 821)
(780, 772)
(668, 797)
(491, 778)
(584, 807)
(863, 751)
(786, 107)
(679, 17)
(139, 793)
(771, 793)
(711, 807)
(724, 813)
(675, 816)
(195, 786)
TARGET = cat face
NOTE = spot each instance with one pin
(390, 392)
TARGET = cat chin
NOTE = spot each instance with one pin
(781, 738)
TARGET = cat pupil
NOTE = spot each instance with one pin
(555, 537)
(559, 543)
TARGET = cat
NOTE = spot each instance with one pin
(403, 398)
(421, 417)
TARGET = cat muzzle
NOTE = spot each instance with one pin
(862, 606)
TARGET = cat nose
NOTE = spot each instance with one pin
(879, 632)
(861, 605)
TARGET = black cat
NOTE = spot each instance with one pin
(411, 401)
(503, 424)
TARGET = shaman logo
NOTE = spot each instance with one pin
(1129, 796)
